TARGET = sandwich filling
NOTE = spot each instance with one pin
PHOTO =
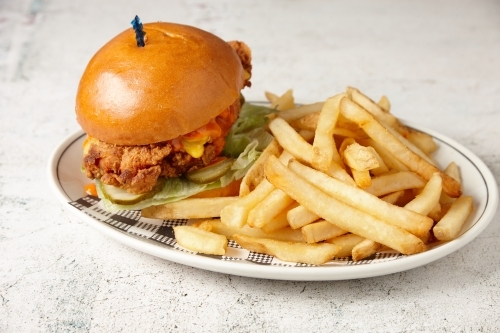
(137, 168)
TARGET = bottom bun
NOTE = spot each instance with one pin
(230, 190)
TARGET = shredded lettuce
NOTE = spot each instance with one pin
(245, 142)
(247, 128)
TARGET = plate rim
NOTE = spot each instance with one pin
(318, 273)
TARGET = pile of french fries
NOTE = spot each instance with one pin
(343, 178)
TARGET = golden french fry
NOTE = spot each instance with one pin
(299, 216)
(309, 122)
(360, 158)
(271, 97)
(388, 159)
(429, 197)
(361, 178)
(409, 145)
(393, 182)
(423, 141)
(190, 208)
(301, 111)
(284, 234)
(256, 172)
(345, 132)
(306, 135)
(453, 171)
(269, 207)
(279, 221)
(346, 242)
(451, 223)
(354, 197)
(382, 167)
(324, 149)
(284, 102)
(384, 103)
(411, 160)
(393, 197)
(339, 213)
(292, 142)
(365, 249)
(199, 240)
(435, 212)
(313, 254)
(372, 107)
(236, 214)
(321, 230)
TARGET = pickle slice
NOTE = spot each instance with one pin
(120, 196)
(211, 172)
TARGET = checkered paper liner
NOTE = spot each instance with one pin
(133, 224)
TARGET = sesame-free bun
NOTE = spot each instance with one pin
(177, 82)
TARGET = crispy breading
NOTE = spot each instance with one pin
(245, 54)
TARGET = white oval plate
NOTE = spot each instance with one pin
(155, 237)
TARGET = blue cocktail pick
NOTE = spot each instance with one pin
(139, 33)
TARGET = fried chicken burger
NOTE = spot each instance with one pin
(157, 116)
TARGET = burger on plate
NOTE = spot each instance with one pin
(165, 121)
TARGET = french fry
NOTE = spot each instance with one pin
(365, 102)
(301, 111)
(411, 160)
(382, 167)
(236, 214)
(393, 197)
(299, 216)
(364, 249)
(309, 122)
(271, 97)
(393, 182)
(435, 213)
(292, 142)
(388, 159)
(451, 223)
(410, 145)
(423, 141)
(384, 103)
(321, 230)
(256, 172)
(453, 171)
(346, 242)
(360, 158)
(199, 240)
(194, 208)
(306, 135)
(339, 213)
(361, 178)
(313, 254)
(324, 149)
(359, 199)
(284, 102)
(284, 234)
(279, 221)
(269, 207)
(429, 197)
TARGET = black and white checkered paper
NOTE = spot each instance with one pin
(162, 232)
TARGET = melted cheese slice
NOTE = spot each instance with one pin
(196, 147)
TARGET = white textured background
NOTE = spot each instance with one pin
(439, 63)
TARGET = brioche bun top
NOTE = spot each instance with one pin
(177, 82)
